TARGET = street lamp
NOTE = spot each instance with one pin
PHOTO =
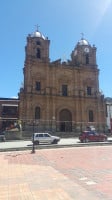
(33, 145)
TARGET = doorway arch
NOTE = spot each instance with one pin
(65, 118)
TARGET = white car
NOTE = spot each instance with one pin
(45, 138)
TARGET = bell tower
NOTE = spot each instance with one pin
(37, 47)
(84, 54)
(36, 58)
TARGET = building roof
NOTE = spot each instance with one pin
(8, 99)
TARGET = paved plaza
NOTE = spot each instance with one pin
(77, 173)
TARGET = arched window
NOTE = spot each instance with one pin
(89, 90)
(38, 53)
(38, 43)
(91, 116)
(64, 90)
(38, 86)
(37, 113)
(87, 59)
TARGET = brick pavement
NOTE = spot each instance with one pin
(76, 173)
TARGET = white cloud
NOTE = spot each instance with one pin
(103, 6)
(99, 11)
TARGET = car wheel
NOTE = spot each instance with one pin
(54, 142)
(104, 139)
(86, 140)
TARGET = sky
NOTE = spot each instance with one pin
(62, 21)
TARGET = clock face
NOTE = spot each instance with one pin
(86, 50)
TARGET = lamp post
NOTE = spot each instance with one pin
(33, 145)
(53, 124)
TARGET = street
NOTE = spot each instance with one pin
(27, 144)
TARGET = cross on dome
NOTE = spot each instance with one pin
(82, 35)
(37, 27)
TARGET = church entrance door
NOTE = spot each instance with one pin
(65, 118)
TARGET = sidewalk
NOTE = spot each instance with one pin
(57, 174)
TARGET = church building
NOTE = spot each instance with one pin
(60, 96)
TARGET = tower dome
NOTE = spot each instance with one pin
(83, 42)
(38, 34)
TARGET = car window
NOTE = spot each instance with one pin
(46, 135)
(36, 135)
(40, 135)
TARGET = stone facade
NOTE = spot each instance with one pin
(61, 96)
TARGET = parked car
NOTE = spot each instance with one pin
(92, 136)
(45, 138)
